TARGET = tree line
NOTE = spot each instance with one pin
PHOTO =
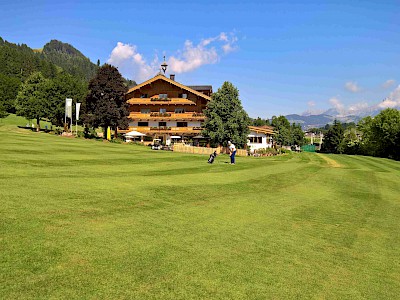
(373, 136)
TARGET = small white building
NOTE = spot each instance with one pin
(260, 137)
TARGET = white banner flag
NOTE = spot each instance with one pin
(68, 107)
(78, 107)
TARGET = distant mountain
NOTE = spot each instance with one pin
(69, 59)
(316, 121)
(327, 117)
(310, 121)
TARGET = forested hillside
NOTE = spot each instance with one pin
(69, 59)
(65, 68)
(17, 63)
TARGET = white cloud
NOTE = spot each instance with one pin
(388, 83)
(192, 57)
(311, 103)
(338, 105)
(132, 64)
(352, 87)
(392, 101)
(357, 107)
(311, 109)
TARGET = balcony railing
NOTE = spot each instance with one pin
(157, 114)
(167, 129)
(176, 116)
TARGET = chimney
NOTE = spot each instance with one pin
(172, 77)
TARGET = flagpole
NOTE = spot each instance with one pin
(77, 108)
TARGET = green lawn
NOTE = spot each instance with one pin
(92, 220)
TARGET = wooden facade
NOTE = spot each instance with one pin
(163, 108)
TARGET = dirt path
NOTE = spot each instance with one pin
(331, 162)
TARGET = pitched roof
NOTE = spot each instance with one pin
(201, 87)
(262, 129)
(162, 77)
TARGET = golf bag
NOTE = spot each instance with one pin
(212, 157)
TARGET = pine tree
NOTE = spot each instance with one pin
(226, 120)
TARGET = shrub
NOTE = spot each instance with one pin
(58, 131)
(89, 133)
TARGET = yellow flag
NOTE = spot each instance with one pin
(108, 133)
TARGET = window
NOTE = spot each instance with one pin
(145, 111)
(163, 96)
(179, 110)
(163, 110)
(143, 124)
(184, 96)
(143, 96)
(255, 139)
(181, 124)
(162, 124)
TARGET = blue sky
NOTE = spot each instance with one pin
(284, 56)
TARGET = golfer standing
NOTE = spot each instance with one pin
(232, 152)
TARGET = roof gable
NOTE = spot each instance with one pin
(173, 82)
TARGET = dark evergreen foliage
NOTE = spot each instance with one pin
(333, 139)
(69, 59)
(8, 92)
(105, 103)
(20, 61)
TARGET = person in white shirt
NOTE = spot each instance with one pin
(232, 152)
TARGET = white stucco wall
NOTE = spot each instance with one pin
(265, 143)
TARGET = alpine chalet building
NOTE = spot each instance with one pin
(166, 109)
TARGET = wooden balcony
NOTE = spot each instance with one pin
(157, 101)
(170, 130)
(167, 116)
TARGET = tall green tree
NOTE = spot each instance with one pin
(381, 134)
(226, 120)
(296, 135)
(105, 103)
(31, 101)
(57, 90)
(334, 139)
(282, 128)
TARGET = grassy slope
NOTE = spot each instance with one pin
(86, 219)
